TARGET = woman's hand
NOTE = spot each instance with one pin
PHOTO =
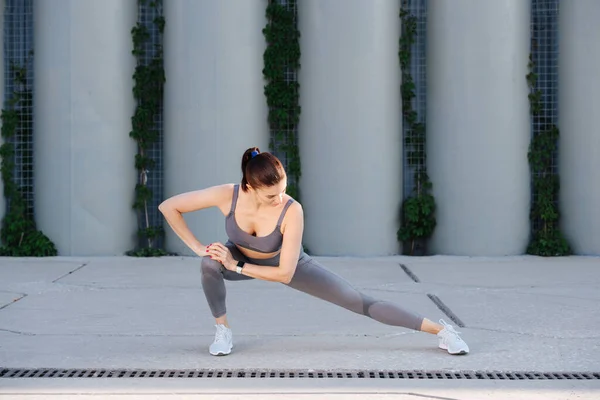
(218, 251)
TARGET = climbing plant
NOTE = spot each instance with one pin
(149, 80)
(418, 209)
(19, 235)
(281, 61)
(546, 238)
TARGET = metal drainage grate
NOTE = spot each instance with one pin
(318, 374)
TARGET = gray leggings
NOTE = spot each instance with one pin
(311, 278)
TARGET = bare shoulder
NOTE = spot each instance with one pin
(214, 196)
(296, 207)
(294, 216)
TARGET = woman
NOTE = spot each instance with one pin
(265, 227)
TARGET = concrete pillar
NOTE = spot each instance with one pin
(350, 134)
(2, 87)
(478, 129)
(579, 102)
(214, 103)
(84, 158)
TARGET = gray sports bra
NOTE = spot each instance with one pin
(263, 244)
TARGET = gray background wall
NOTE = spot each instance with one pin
(580, 124)
(83, 105)
(214, 103)
(349, 135)
(474, 99)
(2, 71)
(478, 125)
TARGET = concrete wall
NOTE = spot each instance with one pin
(478, 129)
(84, 158)
(2, 87)
(350, 128)
(579, 106)
(214, 103)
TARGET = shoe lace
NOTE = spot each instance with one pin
(450, 329)
(221, 334)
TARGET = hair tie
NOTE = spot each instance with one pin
(254, 153)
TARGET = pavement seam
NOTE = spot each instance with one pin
(221, 394)
(445, 309)
(133, 287)
(70, 272)
(556, 295)
(23, 295)
(209, 335)
(254, 335)
(375, 289)
(537, 335)
(17, 332)
(411, 274)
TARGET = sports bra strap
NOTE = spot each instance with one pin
(287, 205)
(236, 189)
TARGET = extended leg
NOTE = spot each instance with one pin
(314, 279)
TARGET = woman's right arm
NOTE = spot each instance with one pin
(173, 208)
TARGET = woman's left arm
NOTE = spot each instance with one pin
(293, 229)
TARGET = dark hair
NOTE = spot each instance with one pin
(260, 169)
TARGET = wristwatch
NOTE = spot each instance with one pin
(239, 267)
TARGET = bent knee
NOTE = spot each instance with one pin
(208, 264)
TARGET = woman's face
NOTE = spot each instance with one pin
(272, 195)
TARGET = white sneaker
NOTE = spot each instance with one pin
(449, 340)
(223, 341)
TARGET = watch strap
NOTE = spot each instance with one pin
(239, 267)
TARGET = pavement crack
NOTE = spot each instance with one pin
(428, 396)
(410, 274)
(92, 287)
(491, 287)
(70, 272)
(160, 335)
(531, 334)
(557, 295)
(385, 290)
(445, 309)
(22, 296)
(17, 332)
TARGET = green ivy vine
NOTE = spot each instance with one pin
(547, 239)
(149, 79)
(418, 209)
(19, 235)
(282, 56)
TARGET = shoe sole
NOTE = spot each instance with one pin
(460, 353)
(220, 353)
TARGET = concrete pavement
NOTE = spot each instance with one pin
(519, 314)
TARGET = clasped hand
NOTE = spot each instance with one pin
(220, 252)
